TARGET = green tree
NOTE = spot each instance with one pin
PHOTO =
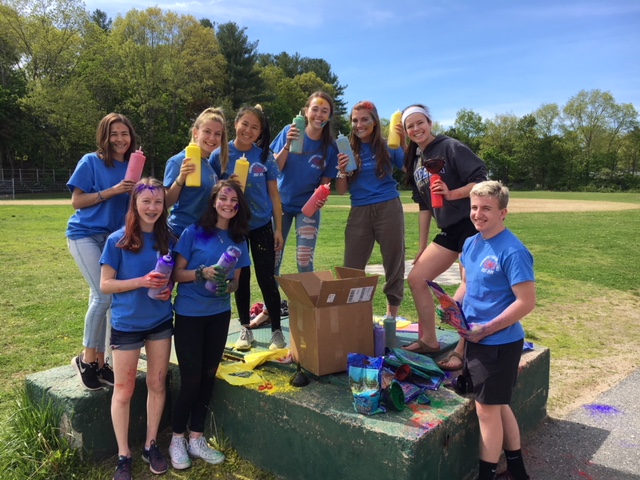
(243, 84)
(295, 65)
(101, 19)
(597, 123)
(469, 128)
(169, 68)
(498, 146)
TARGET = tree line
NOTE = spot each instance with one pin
(63, 68)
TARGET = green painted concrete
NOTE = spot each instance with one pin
(87, 415)
(313, 432)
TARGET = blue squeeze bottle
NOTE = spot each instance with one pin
(345, 147)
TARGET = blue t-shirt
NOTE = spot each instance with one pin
(367, 188)
(193, 298)
(492, 268)
(92, 175)
(256, 191)
(192, 201)
(134, 311)
(302, 173)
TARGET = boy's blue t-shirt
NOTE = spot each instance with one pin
(256, 191)
(198, 248)
(303, 172)
(134, 311)
(367, 188)
(492, 268)
(91, 176)
(192, 201)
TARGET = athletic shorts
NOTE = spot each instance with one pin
(134, 340)
(453, 237)
(493, 370)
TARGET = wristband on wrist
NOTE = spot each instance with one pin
(285, 148)
(100, 197)
(178, 183)
(200, 274)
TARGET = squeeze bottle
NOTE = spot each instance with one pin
(135, 166)
(345, 147)
(390, 331)
(436, 198)
(378, 341)
(298, 145)
(193, 152)
(163, 265)
(241, 169)
(321, 193)
(227, 261)
(394, 139)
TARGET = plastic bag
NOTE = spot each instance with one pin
(364, 379)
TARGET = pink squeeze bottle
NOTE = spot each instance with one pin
(135, 166)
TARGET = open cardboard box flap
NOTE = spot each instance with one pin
(321, 289)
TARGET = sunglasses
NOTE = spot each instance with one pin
(432, 165)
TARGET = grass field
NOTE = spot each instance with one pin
(587, 267)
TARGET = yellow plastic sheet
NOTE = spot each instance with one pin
(238, 373)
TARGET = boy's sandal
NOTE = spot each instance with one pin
(443, 363)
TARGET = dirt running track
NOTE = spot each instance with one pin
(516, 205)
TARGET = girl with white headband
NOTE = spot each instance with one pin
(376, 213)
(459, 169)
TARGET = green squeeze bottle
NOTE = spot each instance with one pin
(297, 145)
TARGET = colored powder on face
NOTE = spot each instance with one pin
(599, 409)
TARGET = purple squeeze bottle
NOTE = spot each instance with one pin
(163, 265)
(227, 261)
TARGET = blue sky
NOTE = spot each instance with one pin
(490, 56)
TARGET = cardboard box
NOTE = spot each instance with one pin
(329, 317)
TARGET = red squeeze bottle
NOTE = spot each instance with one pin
(436, 198)
(321, 193)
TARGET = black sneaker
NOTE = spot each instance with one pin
(105, 374)
(123, 470)
(88, 373)
(157, 462)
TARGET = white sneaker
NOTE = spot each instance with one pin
(199, 448)
(178, 453)
(244, 340)
(277, 340)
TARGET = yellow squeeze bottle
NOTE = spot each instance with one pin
(394, 139)
(242, 171)
(193, 152)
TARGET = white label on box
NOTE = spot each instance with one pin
(361, 294)
(331, 298)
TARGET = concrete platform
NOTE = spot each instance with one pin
(313, 432)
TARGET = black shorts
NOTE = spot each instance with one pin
(493, 370)
(453, 237)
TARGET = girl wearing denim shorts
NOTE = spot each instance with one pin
(137, 319)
